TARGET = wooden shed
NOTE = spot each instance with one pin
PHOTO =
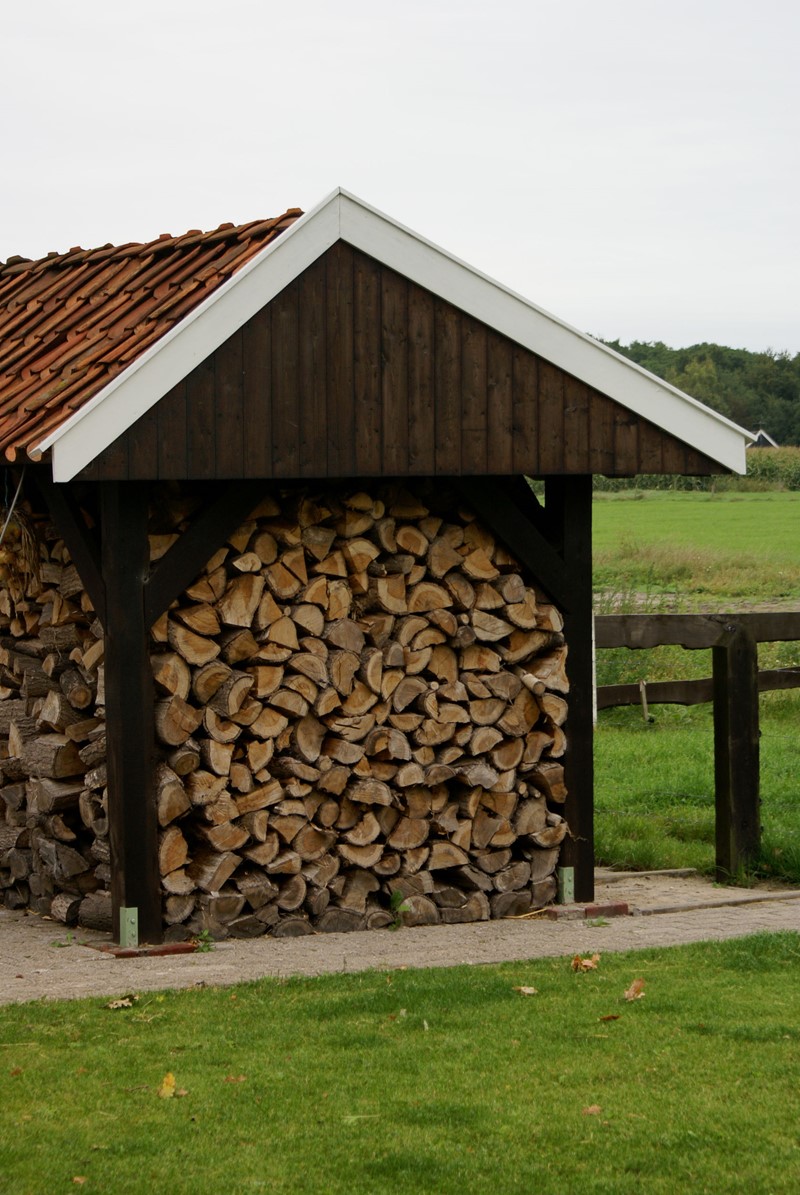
(309, 351)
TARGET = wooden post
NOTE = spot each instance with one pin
(568, 505)
(736, 751)
(133, 826)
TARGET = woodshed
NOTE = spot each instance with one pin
(286, 633)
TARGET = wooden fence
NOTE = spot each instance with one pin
(733, 688)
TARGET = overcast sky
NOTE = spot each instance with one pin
(630, 165)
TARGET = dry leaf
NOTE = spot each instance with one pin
(612, 1016)
(79, 1179)
(167, 1089)
(592, 1110)
(122, 1002)
(636, 990)
(234, 1079)
(523, 991)
(17, 1070)
(585, 964)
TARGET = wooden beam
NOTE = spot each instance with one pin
(736, 752)
(82, 544)
(693, 631)
(184, 560)
(568, 504)
(495, 502)
(133, 825)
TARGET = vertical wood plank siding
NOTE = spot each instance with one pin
(171, 432)
(446, 431)
(353, 370)
(474, 398)
(367, 366)
(228, 420)
(340, 363)
(500, 438)
(283, 455)
(312, 378)
(200, 439)
(421, 382)
(257, 393)
(394, 374)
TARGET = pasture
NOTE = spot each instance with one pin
(658, 551)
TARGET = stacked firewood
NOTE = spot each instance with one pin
(54, 852)
(361, 699)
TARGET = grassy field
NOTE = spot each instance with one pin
(655, 788)
(432, 1081)
(709, 551)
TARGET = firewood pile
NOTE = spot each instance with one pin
(54, 851)
(361, 700)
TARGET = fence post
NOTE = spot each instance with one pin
(736, 762)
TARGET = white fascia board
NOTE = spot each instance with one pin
(500, 308)
(134, 391)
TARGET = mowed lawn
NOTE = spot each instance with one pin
(520, 1078)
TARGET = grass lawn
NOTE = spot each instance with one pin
(654, 787)
(422, 1081)
(655, 783)
(711, 550)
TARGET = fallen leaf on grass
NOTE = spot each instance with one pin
(636, 990)
(525, 991)
(585, 964)
(234, 1079)
(79, 1179)
(17, 1070)
(592, 1110)
(612, 1016)
(168, 1089)
(122, 1002)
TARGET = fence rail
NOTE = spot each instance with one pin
(733, 689)
(687, 692)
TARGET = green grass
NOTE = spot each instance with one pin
(422, 1081)
(711, 551)
(659, 551)
(654, 788)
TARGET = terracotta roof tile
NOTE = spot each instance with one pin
(70, 322)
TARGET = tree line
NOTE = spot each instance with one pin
(755, 390)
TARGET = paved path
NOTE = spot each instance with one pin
(41, 959)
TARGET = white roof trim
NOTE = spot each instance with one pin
(342, 216)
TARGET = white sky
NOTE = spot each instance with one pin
(630, 165)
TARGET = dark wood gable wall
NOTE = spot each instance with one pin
(353, 371)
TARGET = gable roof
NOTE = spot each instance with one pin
(72, 322)
(95, 414)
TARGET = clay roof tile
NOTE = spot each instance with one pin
(69, 322)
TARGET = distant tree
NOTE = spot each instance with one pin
(754, 389)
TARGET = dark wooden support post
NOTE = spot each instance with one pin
(133, 826)
(568, 504)
(736, 751)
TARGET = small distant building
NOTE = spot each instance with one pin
(763, 440)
